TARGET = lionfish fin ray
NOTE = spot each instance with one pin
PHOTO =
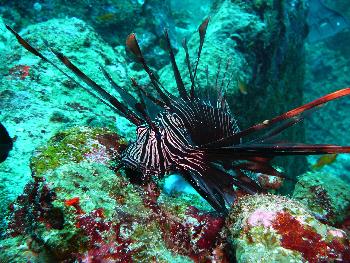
(35, 52)
(202, 30)
(26, 45)
(179, 83)
(221, 90)
(133, 45)
(188, 63)
(149, 96)
(248, 186)
(111, 99)
(296, 113)
(125, 95)
(242, 151)
(202, 184)
(142, 108)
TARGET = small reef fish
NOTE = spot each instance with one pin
(6, 143)
(242, 86)
(107, 17)
(325, 160)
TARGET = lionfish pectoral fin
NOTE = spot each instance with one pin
(263, 168)
(244, 151)
(206, 189)
(248, 185)
(287, 119)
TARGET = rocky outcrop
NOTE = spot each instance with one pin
(267, 228)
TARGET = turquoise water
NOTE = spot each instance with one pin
(72, 187)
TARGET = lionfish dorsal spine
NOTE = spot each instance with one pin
(202, 30)
(132, 44)
(189, 68)
(179, 83)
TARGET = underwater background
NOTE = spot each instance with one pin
(63, 197)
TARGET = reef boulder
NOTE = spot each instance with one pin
(79, 208)
(269, 228)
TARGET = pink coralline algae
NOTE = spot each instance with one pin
(261, 217)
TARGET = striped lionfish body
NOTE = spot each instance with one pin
(195, 137)
(181, 130)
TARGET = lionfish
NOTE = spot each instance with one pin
(197, 138)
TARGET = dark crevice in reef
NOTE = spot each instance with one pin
(276, 86)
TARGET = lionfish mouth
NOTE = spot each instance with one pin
(196, 137)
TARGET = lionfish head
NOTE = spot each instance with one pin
(137, 155)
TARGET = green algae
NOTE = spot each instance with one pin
(66, 146)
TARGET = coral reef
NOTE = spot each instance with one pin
(77, 208)
(62, 197)
(35, 106)
(268, 228)
(97, 145)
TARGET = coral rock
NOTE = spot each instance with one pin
(327, 195)
(268, 228)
